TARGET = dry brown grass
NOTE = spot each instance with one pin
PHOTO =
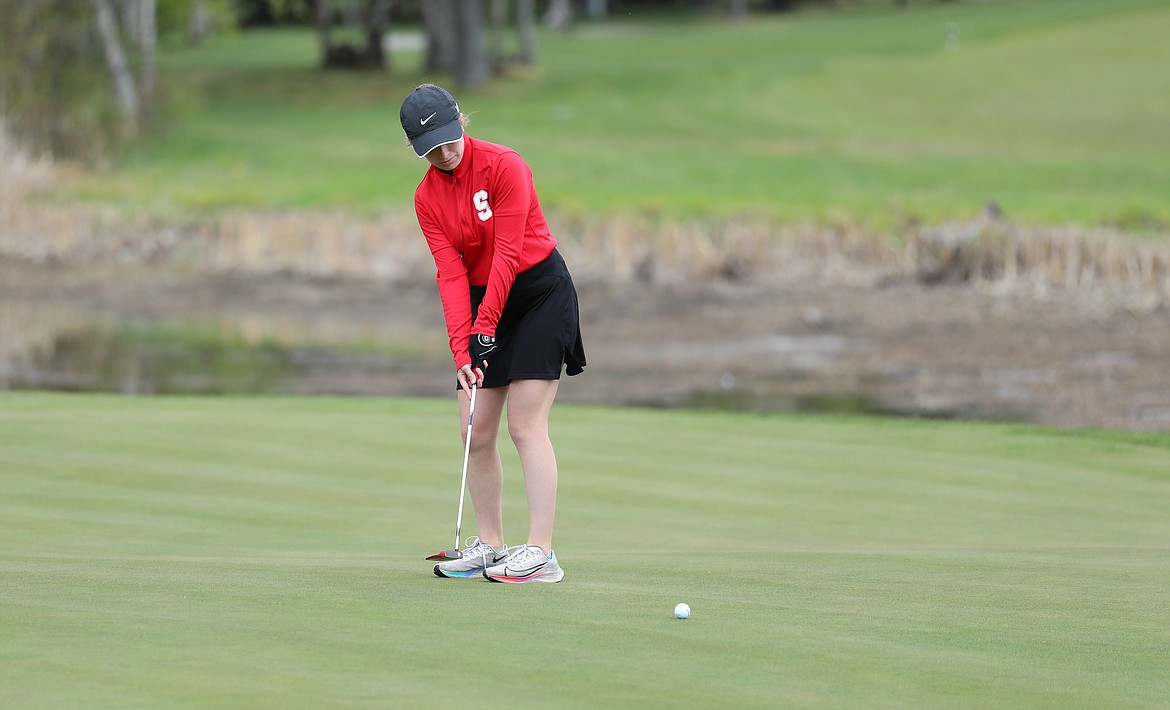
(988, 252)
(319, 245)
(20, 173)
(1043, 259)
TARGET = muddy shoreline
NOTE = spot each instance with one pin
(797, 342)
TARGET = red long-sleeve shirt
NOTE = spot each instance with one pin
(484, 225)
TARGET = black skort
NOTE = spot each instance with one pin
(540, 327)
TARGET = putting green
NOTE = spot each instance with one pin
(267, 552)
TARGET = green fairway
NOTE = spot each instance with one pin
(268, 552)
(1054, 108)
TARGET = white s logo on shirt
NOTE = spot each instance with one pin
(480, 201)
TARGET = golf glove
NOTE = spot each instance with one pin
(481, 349)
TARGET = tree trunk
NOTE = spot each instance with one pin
(559, 15)
(439, 19)
(472, 68)
(351, 13)
(123, 80)
(377, 20)
(596, 9)
(497, 34)
(325, 30)
(198, 23)
(526, 26)
(148, 41)
(128, 14)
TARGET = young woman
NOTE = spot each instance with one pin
(512, 320)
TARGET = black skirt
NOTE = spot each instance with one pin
(539, 332)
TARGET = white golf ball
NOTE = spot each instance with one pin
(682, 610)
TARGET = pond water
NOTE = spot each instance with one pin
(72, 353)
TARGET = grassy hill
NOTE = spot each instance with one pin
(268, 552)
(1055, 109)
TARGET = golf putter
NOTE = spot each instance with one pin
(455, 553)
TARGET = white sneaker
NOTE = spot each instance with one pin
(476, 557)
(527, 563)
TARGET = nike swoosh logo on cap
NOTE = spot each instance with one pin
(423, 121)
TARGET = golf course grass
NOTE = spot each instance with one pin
(1055, 109)
(268, 552)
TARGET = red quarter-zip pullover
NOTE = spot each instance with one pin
(484, 225)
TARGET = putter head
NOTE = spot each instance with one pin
(446, 555)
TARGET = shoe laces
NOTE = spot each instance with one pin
(473, 542)
(524, 553)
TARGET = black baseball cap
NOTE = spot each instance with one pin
(430, 118)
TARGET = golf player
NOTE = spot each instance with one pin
(512, 320)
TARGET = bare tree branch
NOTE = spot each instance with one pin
(123, 80)
(148, 42)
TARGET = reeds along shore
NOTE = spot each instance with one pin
(988, 250)
(336, 244)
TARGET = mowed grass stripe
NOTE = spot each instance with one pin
(267, 552)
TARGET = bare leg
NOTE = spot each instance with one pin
(485, 472)
(529, 404)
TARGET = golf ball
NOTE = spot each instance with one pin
(682, 610)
